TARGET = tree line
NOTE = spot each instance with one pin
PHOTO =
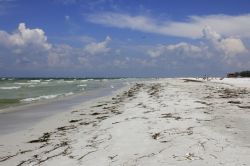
(242, 74)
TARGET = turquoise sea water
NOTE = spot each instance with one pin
(16, 91)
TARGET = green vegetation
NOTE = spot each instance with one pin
(242, 74)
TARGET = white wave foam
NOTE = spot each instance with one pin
(69, 81)
(82, 85)
(10, 87)
(67, 94)
(23, 83)
(46, 97)
(40, 97)
(35, 81)
(49, 80)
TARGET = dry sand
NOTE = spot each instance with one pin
(160, 122)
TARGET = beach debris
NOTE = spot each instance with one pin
(189, 156)
(203, 102)
(232, 93)
(57, 146)
(41, 139)
(213, 156)
(4, 158)
(112, 157)
(190, 130)
(205, 120)
(228, 126)
(74, 120)
(64, 152)
(170, 115)
(86, 154)
(156, 136)
(74, 111)
(102, 117)
(243, 106)
(206, 112)
(234, 102)
(86, 123)
(95, 113)
(192, 156)
(63, 128)
(132, 91)
(99, 105)
(202, 144)
(116, 122)
(113, 109)
(192, 80)
(154, 90)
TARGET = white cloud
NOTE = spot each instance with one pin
(191, 28)
(156, 52)
(25, 38)
(95, 48)
(212, 44)
(175, 49)
(29, 47)
(59, 55)
(228, 46)
(232, 46)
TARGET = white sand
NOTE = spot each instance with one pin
(160, 122)
(239, 82)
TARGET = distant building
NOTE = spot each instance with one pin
(232, 75)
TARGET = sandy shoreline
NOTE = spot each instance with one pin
(159, 122)
(21, 117)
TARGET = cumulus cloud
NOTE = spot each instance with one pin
(59, 55)
(96, 48)
(191, 28)
(25, 38)
(30, 47)
(228, 46)
(211, 44)
(175, 49)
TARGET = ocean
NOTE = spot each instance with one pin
(21, 91)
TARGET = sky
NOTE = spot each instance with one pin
(123, 38)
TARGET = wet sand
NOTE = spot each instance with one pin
(18, 118)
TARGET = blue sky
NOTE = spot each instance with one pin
(145, 38)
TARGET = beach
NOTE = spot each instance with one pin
(166, 121)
